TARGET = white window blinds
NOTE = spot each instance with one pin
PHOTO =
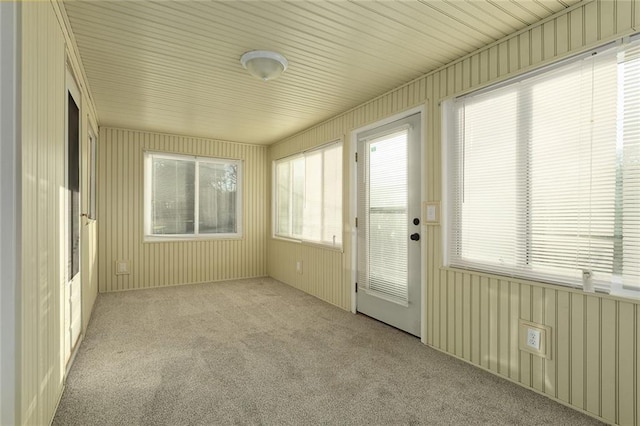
(308, 196)
(544, 174)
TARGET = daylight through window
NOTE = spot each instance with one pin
(544, 174)
(188, 196)
(308, 196)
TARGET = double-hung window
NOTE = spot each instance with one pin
(191, 197)
(308, 196)
(544, 174)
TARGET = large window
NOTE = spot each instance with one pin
(308, 196)
(544, 174)
(188, 197)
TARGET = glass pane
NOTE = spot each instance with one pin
(628, 215)
(297, 197)
(73, 181)
(283, 199)
(312, 211)
(387, 211)
(573, 170)
(218, 198)
(172, 196)
(332, 195)
(485, 216)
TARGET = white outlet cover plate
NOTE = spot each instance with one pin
(535, 338)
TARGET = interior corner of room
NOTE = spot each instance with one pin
(465, 172)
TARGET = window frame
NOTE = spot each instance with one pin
(148, 155)
(274, 197)
(449, 146)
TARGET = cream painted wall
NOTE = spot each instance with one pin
(47, 45)
(595, 363)
(159, 264)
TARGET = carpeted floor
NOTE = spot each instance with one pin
(260, 352)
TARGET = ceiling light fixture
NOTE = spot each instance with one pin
(264, 64)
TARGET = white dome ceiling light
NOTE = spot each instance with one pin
(264, 64)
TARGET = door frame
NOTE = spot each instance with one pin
(353, 204)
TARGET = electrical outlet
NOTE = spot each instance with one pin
(535, 338)
(299, 267)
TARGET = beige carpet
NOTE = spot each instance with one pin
(260, 352)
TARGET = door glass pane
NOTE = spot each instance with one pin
(387, 215)
(73, 180)
(218, 195)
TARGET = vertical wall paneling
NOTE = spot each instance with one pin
(550, 319)
(562, 346)
(594, 358)
(46, 47)
(43, 80)
(592, 355)
(627, 386)
(158, 264)
(577, 347)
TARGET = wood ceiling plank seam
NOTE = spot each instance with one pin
(153, 128)
(306, 110)
(98, 21)
(230, 128)
(433, 41)
(115, 94)
(533, 8)
(97, 25)
(313, 37)
(384, 9)
(95, 36)
(454, 10)
(99, 66)
(262, 118)
(438, 8)
(158, 105)
(133, 61)
(170, 121)
(296, 102)
(551, 7)
(497, 15)
(434, 65)
(504, 8)
(89, 43)
(390, 54)
(141, 123)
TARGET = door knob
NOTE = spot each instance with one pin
(415, 237)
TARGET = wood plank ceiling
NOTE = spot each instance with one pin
(173, 66)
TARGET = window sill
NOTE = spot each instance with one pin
(308, 243)
(185, 238)
(623, 296)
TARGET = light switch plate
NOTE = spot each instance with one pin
(431, 212)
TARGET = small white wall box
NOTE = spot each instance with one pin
(535, 338)
(122, 267)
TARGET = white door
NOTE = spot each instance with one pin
(389, 200)
(72, 291)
